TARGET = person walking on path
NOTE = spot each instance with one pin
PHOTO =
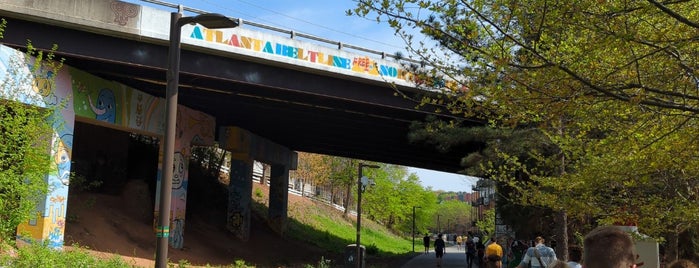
(609, 247)
(538, 256)
(470, 253)
(480, 253)
(459, 240)
(575, 256)
(493, 253)
(426, 242)
(439, 249)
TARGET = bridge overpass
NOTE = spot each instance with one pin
(296, 93)
(264, 94)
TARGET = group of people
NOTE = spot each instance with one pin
(604, 247)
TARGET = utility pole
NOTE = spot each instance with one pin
(414, 207)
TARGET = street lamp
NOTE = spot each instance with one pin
(362, 183)
(212, 21)
(414, 207)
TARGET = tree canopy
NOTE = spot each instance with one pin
(610, 88)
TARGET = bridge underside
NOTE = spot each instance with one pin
(304, 111)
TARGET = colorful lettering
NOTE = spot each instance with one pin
(358, 64)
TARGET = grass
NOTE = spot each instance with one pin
(323, 226)
(327, 228)
(39, 255)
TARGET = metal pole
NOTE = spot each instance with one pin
(413, 228)
(163, 226)
(439, 227)
(359, 208)
(359, 213)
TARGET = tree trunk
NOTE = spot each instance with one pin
(347, 200)
(561, 235)
(672, 248)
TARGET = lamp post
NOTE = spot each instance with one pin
(361, 185)
(212, 21)
(414, 207)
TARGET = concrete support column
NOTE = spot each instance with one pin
(47, 225)
(240, 196)
(278, 198)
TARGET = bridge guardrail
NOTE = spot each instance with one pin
(293, 34)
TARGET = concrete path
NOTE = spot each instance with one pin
(452, 258)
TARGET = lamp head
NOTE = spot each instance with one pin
(366, 181)
(211, 21)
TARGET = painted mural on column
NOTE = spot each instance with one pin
(77, 93)
(192, 128)
(36, 88)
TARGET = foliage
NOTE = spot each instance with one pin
(608, 87)
(25, 140)
(39, 255)
(322, 263)
(453, 213)
(389, 201)
(212, 158)
(487, 223)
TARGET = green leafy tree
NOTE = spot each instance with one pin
(594, 77)
(487, 223)
(25, 139)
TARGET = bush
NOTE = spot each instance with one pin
(40, 255)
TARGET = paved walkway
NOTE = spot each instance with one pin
(452, 258)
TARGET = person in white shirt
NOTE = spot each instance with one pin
(537, 254)
(574, 256)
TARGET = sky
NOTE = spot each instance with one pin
(326, 19)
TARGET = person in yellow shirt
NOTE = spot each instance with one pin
(493, 253)
(459, 240)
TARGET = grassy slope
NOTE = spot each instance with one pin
(325, 227)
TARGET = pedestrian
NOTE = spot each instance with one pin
(426, 242)
(574, 256)
(480, 253)
(681, 263)
(470, 253)
(493, 253)
(609, 247)
(558, 264)
(539, 255)
(517, 249)
(439, 249)
(459, 240)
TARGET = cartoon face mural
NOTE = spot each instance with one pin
(105, 110)
(178, 171)
(62, 160)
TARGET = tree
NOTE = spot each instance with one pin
(594, 77)
(25, 138)
(312, 168)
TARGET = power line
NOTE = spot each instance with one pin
(294, 18)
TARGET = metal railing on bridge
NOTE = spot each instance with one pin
(294, 34)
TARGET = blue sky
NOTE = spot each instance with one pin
(326, 19)
(322, 18)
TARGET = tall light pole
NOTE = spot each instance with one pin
(212, 21)
(361, 185)
(414, 207)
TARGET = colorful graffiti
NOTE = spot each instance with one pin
(359, 64)
(71, 92)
